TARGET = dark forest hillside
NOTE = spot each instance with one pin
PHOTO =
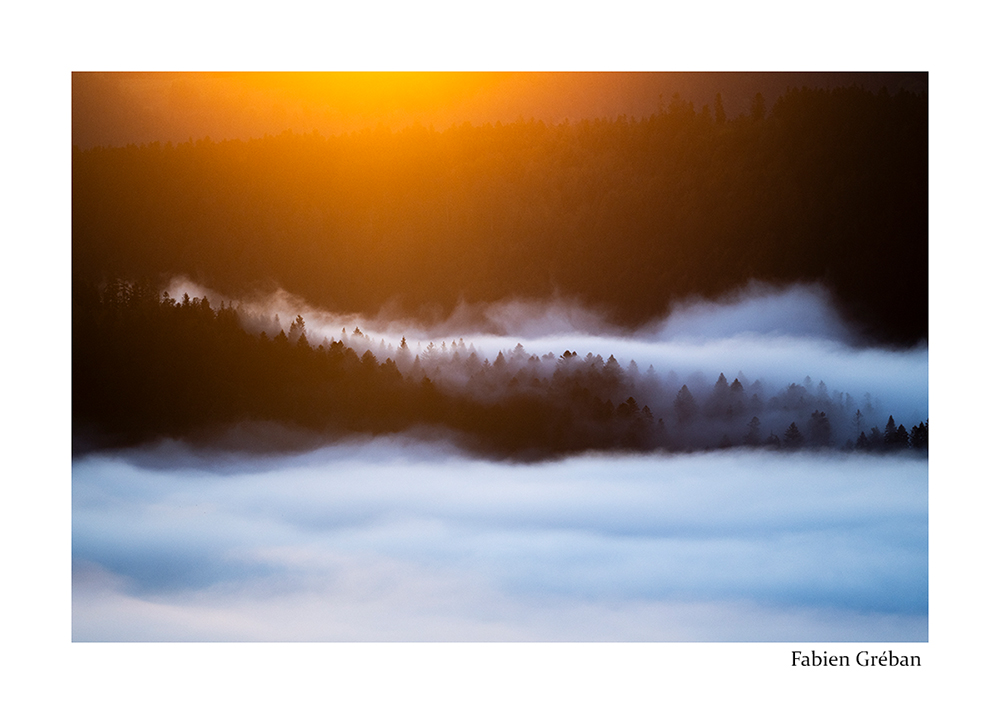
(626, 215)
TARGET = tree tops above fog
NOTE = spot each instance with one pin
(826, 186)
(146, 366)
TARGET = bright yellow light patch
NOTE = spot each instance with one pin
(374, 95)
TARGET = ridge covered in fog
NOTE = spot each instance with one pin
(631, 216)
(155, 365)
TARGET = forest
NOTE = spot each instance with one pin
(147, 366)
(629, 216)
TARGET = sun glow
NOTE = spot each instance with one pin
(389, 95)
(117, 108)
(173, 106)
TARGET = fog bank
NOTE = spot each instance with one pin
(384, 541)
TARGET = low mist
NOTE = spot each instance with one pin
(397, 540)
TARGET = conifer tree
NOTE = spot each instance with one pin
(684, 405)
(793, 437)
(819, 429)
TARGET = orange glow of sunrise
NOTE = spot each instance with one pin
(367, 92)
(115, 108)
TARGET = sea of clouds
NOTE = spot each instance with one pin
(392, 540)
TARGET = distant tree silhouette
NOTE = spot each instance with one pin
(819, 429)
(890, 430)
(793, 437)
(297, 328)
(902, 440)
(876, 439)
(894, 437)
(685, 406)
(718, 401)
(628, 408)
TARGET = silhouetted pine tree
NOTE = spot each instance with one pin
(793, 437)
(819, 429)
(685, 406)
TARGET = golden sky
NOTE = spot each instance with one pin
(138, 107)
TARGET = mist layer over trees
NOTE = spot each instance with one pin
(629, 215)
(148, 366)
